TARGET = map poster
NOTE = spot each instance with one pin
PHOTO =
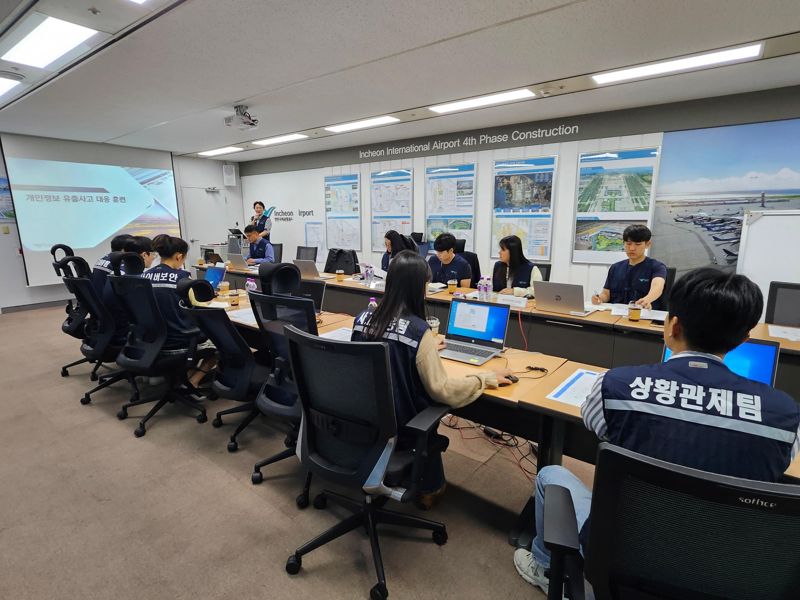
(450, 202)
(615, 189)
(343, 212)
(315, 237)
(523, 196)
(392, 198)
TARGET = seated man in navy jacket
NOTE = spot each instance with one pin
(260, 249)
(446, 264)
(691, 410)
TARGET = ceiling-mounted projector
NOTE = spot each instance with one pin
(242, 119)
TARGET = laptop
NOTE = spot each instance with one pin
(756, 360)
(236, 231)
(564, 298)
(308, 270)
(476, 331)
(238, 262)
(214, 276)
(313, 289)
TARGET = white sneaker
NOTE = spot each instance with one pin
(530, 570)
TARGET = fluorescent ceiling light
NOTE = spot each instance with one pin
(374, 122)
(281, 139)
(138, 1)
(7, 84)
(708, 59)
(483, 101)
(218, 151)
(51, 39)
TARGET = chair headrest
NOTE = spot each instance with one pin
(133, 263)
(72, 266)
(460, 246)
(201, 289)
(67, 251)
(281, 278)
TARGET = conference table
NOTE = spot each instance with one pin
(600, 338)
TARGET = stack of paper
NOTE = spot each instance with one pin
(243, 316)
(342, 334)
(788, 333)
(576, 388)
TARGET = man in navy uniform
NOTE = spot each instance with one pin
(639, 278)
(691, 410)
(446, 264)
(260, 249)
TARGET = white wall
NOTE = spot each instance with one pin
(306, 189)
(200, 173)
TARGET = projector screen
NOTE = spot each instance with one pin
(83, 195)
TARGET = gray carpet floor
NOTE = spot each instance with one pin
(89, 511)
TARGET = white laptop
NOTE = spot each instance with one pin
(476, 331)
(238, 262)
(565, 298)
(308, 270)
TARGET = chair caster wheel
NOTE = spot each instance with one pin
(139, 431)
(202, 418)
(122, 414)
(293, 564)
(86, 399)
(64, 373)
(256, 477)
(217, 422)
(320, 501)
(288, 441)
(301, 501)
(93, 376)
(233, 446)
(378, 592)
(440, 537)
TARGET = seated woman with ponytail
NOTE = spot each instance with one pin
(418, 375)
(513, 273)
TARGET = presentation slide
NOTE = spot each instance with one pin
(84, 206)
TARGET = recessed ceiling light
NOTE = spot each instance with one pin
(138, 1)
(698, 61)
(218, 151)
(7, 84)
(374, 122)
(281, 139)
(483, 101)
(51, 39)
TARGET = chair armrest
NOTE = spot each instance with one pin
(427, 420)
(560, 524)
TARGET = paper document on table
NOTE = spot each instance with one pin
(217, 304)
(515, 301)
(243, 316)
(575, 389)
(788, 333)
(436, 287)
(602, 306)
(620, 310)
(342, 334)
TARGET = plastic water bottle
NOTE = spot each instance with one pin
(373, 304)
(250, 285)
(369, 275)
(483, 290)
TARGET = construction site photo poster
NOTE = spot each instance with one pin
(709, 178)
(615, 190)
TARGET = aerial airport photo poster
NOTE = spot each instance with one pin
(709, 178)
(615, 190)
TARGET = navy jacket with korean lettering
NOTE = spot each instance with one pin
(403, 337)
(165, 283)
(694, 411)
(100, 272)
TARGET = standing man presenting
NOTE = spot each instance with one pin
(260, 249)
(260, 220)
(639, 279)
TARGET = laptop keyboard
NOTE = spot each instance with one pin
(472, 350)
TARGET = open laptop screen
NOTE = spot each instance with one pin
(754, 359)
(478, 322)
(214, 276)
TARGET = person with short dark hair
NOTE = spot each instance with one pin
(260, 249)
(260, 220)
(418, 375)
(102, 268)
(513, 273)
(143, 246)
(690, 410)
(395, 243)
(446, 264)
(638, 279)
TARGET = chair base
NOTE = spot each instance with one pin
(368, 514)
(253, 412)
(65, 368)
(181, 395)
(110, 379)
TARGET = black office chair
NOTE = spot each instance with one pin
(783, 304)
(663, 302)
(662, 531)
(544, 269)
(279, 278)
(75, 323)
(237, 375)
(313, 289)
(461, 245)
(473, 261)
(277, 250)
(278, 396)
(349, 435)
(306, 253)
(417, 236)
(144, 352)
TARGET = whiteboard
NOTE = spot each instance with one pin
(770, 248)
